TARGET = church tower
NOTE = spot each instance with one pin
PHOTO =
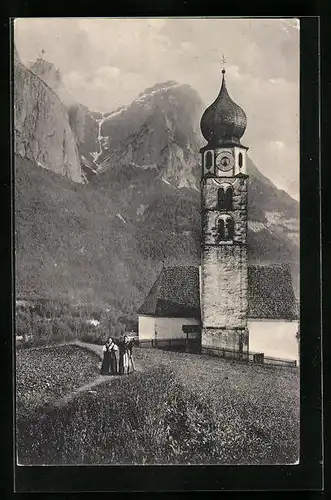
(224, 183)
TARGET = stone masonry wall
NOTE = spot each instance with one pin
(224, 272)
(209, 224)
(232, 340)
(211, 185)
(224, 286)
(210, 212)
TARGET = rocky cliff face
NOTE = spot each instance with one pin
(83, 122)
(157, 130)
(41, 125)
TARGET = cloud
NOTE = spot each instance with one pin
(186, 45)
(108, 72)
(278, 145)
(104, 89)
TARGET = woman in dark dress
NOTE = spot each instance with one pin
(109, 363)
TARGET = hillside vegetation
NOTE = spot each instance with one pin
(72, 245)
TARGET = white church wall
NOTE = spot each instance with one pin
(274, 338)
(167, 328)
(146, 327)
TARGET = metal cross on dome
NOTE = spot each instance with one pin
(223, 61)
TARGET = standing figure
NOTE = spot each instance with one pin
(109, 363)
(126, 359)
(105, 367)
(113, 358)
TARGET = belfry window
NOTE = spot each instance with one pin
(240, 160)
(225, 197)
(225, 228)
(209, 160)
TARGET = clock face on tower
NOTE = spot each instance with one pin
(224, 161)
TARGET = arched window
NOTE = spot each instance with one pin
(240, 160)
(225, 228)
(229, 226)
(224, 197)
(220, 230)
(209, 160)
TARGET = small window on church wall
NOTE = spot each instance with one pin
(209, 160)
(229, 225)
(220, 230)
(240, 160)
(225, 229)
(224, 197)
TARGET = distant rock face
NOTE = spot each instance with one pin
(83, 123)
(85, 129)
(42, 130)
(157, 130)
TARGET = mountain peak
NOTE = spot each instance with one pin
(159, 86)
(51, 75)
(47, 72)
(159, 128)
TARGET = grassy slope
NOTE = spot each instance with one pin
(183, 409)
(43, 375)
(259, 403)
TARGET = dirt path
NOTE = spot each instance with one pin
(97, 349)
(92, 347)
(84, 388)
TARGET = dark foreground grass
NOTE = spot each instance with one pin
(195, 410)
(43, 375)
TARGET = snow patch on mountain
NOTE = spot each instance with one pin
(146, 95)
(121, 218)
(96, 154)
(88, 165)
(141, 209)
(256, 226)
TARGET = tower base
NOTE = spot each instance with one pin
(225, 342)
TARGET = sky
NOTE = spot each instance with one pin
(106, 63)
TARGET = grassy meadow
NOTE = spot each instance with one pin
(181, 409)
(43, 375)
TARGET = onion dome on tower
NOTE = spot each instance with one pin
(224, 122)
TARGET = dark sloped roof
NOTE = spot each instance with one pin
(175, 293)
(271, 294)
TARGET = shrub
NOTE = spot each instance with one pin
(61, 331)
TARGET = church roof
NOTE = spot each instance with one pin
(270, 292)
(175, 293)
